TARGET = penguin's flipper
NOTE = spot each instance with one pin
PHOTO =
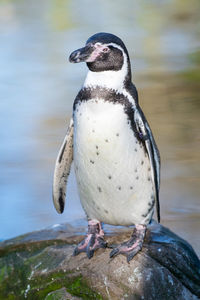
(145, 134)
(62, 170)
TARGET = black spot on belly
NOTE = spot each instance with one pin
(93, 130)
(137, 177)
(135, 170)
(149, 178)
(97, 147)
(135, 149)
(117, 134)
(109, 176)
(151, 205)
(131, 187)
(92, 161)
(106, 141)
(99, 189)
(145, 215)
(149, 169)
(97, 153)
(142, 162)
(106, 211)
(119, 188)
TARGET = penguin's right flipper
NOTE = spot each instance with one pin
(62, 170)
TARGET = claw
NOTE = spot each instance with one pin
(93, 241)
(76, 251)
(114, 252)
(133, 245)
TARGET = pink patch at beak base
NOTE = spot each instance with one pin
(97, 51)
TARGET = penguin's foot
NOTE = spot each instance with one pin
(133, 245)
(93, 241)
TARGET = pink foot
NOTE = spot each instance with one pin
(93, 241)
(133, 245)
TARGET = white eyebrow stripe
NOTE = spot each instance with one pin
(116, 46)
(110, 44)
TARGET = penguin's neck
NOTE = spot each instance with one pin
(107, 79)
(111, 80)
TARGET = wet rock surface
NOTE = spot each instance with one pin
(40, 265)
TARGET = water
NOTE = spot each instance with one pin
(38, 86)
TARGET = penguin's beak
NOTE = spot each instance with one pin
(82, 54)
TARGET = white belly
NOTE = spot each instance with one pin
(113, 173)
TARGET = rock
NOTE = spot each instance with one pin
(40, 265)
(60, 294)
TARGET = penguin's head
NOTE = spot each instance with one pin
(103, 52)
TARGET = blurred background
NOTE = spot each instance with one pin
(38, 86)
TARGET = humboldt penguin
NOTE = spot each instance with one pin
(116, 160)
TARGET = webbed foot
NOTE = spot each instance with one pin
(133, 245)
(93, 241)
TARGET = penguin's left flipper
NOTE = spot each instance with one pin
(62, 170)
(146, 136)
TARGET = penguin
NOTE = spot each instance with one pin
(116, 160)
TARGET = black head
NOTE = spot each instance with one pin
(102, 52)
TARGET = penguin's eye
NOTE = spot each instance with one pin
(106, 49)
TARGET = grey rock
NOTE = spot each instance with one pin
(60, 294)
(40, 265)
